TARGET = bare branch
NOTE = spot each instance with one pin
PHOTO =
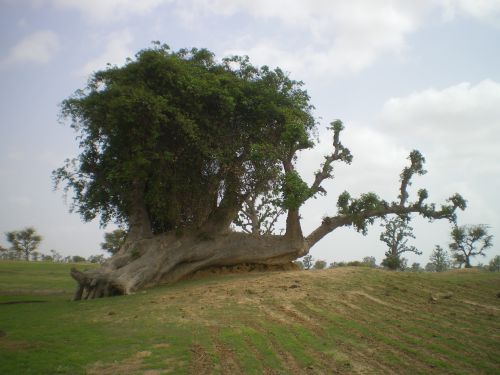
(340, 152)
(363, 211)
(416, 167)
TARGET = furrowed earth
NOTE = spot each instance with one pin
(351, 320)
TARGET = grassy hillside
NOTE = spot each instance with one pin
(349, 320)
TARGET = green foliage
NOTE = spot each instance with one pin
(319, 264)
(113, 241)
(394, 262)
(354, 263)
(369, 262)
(260, 213)
(186, 130)
(415, 267)
(391, 262)
(440, 259)
(417, 162)
(361, 212)
(494, 265)
(366, 262)
(343, 153)
(430, 267)
(141, 333)
(24, 241)
(295, 191)
(77, 259)
(307, 261)
(396, 235)
(357, 209)
(469, 241)
(99, 259)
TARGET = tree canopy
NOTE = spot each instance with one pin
(469, 241)
(396, 235)
(113, 241)
(440, 259)
(24, 241)
(190, 136)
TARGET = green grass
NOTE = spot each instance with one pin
(350, 320)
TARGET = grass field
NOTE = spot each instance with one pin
(348, 320)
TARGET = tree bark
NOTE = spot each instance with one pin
(167, 258)
(139, 222)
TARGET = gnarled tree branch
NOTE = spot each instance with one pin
(364, 210)
(340, 152)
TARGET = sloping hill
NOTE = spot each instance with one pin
(347, 321)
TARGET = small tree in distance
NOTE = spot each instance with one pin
(113, 241)
(369, 262)
(415, 267)
(494, 265)
(24, 241)
(430, 267)
(396, 235)
(307, 261)
(56, 256)
(99, 259)
(440, 259)
(319, 264)
(77, 259)
(469, 241)
(4, 253)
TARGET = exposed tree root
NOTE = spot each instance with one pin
(167, 258)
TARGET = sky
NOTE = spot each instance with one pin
(400, 74)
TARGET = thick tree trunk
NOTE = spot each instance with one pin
(168, 258)
(139, 223)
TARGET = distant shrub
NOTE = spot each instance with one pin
(494, 265)
(308, 262)
(99, 259)
(77, 259)
(337, 264)
(430, 267)
(369, 262)
(320, 264)
(395, 263)
(415, 267)
(355, 263)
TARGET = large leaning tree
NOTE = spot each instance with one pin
(173, 146)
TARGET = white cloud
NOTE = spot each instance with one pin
(116, 51)
(458, 130)
(38, 47)
(108, 10)
(21, 201)
(16, 155)
(336, 37)
(488, 10)
(459, 124)
(340, 37)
